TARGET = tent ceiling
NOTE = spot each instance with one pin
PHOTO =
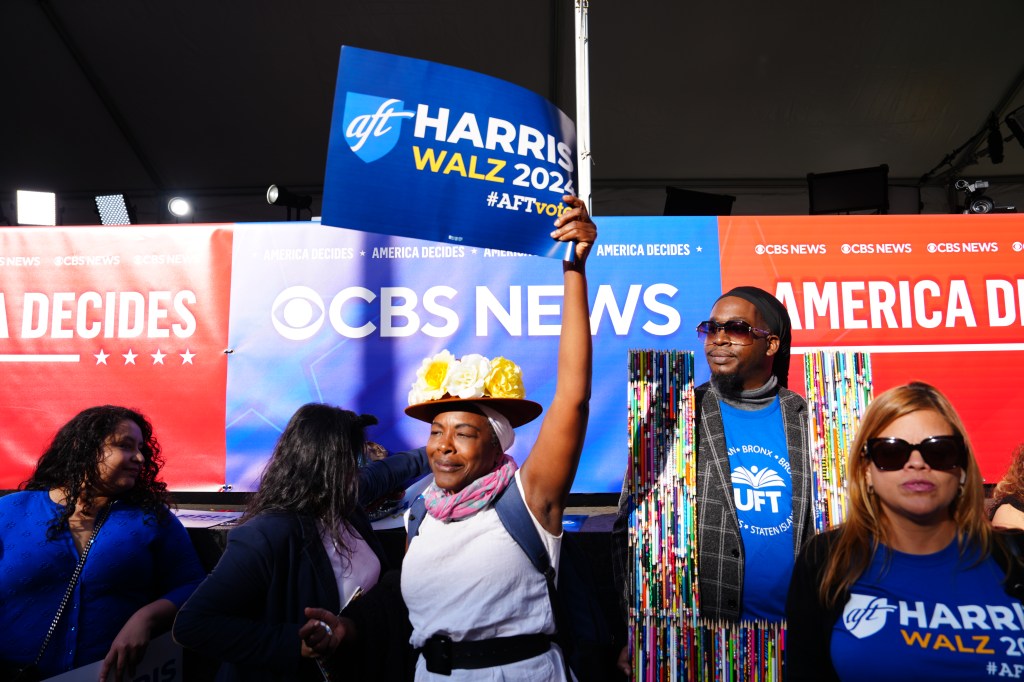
(225, 98)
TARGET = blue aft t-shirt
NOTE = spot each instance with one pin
(929, 617)
(763, 492)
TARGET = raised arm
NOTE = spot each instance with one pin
(550, 469)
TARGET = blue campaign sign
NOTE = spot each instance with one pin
(429, 151)
(345, 317)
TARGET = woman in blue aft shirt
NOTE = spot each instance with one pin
(97, 479)
(915, 584)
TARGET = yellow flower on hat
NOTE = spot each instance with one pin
(431, 378)
(505, 379)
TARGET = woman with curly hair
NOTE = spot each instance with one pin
(915, 584)
(1008, 499)
(95, 492)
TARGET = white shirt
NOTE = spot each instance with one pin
(357, 569)
(469, 579)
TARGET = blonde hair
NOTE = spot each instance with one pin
(866, 527)
(1012, 483)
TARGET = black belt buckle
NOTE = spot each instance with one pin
(437, 651)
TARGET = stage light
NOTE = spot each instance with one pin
(37, 208)
(179, 207)
(113, 209)
(860, 189)
(977, 202)
(280, 196)
(1015, 122)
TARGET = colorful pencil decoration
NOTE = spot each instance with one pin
(838, 390)
(668, 638)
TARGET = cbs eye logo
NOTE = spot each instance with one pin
(297, 313)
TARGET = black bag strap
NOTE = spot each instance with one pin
(74, 581)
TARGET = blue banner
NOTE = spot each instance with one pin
(345, 317)
(423, 150)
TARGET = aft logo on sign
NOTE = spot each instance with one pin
(369, 129)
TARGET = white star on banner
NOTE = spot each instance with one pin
(158, 357)
(101, 357)
(186, 357)
(129, 357)
(699, 249)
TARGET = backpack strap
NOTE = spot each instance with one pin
(518, 522)
(417, 511)
(516, 518)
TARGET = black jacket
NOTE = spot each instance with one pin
(248, 612)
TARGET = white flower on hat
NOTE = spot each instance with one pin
(467, 376)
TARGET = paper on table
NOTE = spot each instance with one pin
(198, 518)
(397, 518)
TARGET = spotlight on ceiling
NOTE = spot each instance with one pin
(976, 201)
(280, 196)
(113, 209)
(180, 207)
(37, 208)
(1015, 122)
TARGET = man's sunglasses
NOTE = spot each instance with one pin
(737, 331)
(941, 453)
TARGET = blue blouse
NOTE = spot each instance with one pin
(134, 561)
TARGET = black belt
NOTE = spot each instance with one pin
(442, 654)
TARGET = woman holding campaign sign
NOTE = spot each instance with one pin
(478, 606)
(915, 584)
(92, 562)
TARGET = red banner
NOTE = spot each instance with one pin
(130, 316)
(932, 298)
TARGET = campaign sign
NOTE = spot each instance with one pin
(344, 317)
(424, 150)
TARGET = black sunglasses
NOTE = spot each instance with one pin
(736, 331)
(941, 453)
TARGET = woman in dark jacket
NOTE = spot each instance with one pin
(305, 541)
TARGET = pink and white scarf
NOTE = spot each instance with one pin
(446, 506)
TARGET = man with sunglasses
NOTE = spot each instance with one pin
(753, 463)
